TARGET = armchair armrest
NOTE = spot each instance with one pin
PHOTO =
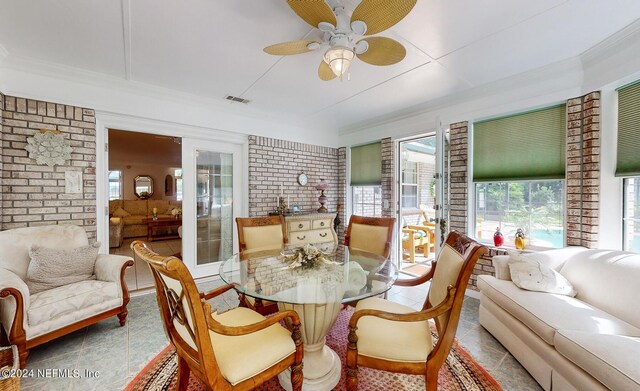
(424, 228)
(14, 302)
(408, 317)
(219, 328)
(418, 280)
(111, 268)
(216, 292)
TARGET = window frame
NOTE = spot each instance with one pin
(624, 210)
(509, 245)
(376, 204)
(120, 184)
(405, 185)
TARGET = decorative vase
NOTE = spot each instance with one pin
(520, 239)
(322, 186)
(498, 238)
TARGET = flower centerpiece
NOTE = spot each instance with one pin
(176, 212)
(308, 257)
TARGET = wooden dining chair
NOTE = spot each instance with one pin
(370, 234)
(235, 350)
(392, 337)
(257, 235)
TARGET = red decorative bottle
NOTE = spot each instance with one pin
(498, 239)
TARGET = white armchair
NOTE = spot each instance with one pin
(30, 320)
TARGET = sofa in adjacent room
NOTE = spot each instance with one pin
(133, 213)
(587, 342)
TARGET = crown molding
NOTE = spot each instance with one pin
(530, 80)
(96, 79)
(611, 45)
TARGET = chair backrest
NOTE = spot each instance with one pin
(452, 268)
(182, 311)
(370, 234)
(261, 233)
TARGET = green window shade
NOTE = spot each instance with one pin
(525, 146)
(366, 165)
(628, 161)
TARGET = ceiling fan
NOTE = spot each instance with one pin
(341, 32)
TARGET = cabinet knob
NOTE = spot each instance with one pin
(324, 235)
(300, 225)
(322, 223)
(301, 238)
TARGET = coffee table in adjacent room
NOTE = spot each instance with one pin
(163, 228)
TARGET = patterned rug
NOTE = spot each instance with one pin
(460, 372)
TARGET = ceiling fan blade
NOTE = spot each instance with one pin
(288, 48)
(379, 15)
(313, 11)
(324, 72)
(382, 51)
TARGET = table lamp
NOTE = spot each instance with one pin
(322, 186)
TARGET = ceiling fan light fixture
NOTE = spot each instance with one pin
(339, 59)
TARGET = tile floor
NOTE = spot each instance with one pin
(119, 353)
(139, 276)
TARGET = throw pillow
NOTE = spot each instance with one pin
(50, 268)
(533, 275)
(121, 213)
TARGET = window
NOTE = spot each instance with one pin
(631, 214)
(410, 185)
(115, 185)
(518, 172)
(366, 178)
(177, 173)
(367, 201)
(535, 206)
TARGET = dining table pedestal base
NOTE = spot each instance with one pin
(322, 367)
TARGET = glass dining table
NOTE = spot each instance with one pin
(317, 294)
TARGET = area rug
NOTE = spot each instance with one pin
(460, 372)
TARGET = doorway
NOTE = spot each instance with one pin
(145, 197)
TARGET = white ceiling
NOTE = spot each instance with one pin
(214, 48)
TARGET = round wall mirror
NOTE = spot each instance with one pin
(143, 186)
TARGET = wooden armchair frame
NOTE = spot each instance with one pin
(258, 305)
(202, 362)
(426, 241)
(450, 306)
(388, 222)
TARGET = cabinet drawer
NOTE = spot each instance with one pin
(313, 236)
(299, 225)
(324, 223)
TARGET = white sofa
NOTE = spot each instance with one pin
(30, 320)
(589, 342)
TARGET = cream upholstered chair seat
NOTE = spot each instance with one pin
(390, 340)
(245, 356)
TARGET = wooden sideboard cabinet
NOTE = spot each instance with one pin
(313, 228)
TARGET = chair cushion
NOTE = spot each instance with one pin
(544, 313)
(371, 238)
(416, 235)
(50, 268)
(389, 340)
(242, 357)
(263, 238)
(612, 359)
(66, 299)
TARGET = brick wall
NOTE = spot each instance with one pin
(1, 155)
(426, 171)
(458, 151)
(388, 173)
(484, 266)
(34, 194)
(274, 162)
(342, 192)
(583, 170)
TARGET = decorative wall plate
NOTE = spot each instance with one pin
(48, 148)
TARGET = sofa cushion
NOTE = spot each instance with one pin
(70, 298)
(15, 243)
(119, 212)
(533, 275)
(136, 207)
(551, 258)
(133, 220)
(544, 313)
(607, 280)
(50, 268)
(612, 359)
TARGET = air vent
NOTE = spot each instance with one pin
(236, 99)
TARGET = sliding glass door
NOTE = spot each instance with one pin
(212, 180)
